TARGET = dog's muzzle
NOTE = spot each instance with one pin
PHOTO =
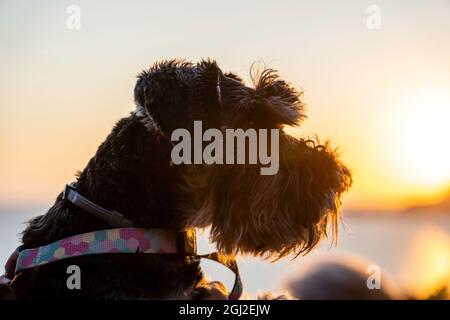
(124, 238)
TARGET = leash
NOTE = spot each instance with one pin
(128, 239)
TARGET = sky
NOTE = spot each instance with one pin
(381, 95)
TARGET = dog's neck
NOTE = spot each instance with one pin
(131, 172)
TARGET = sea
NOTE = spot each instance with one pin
(411, 250)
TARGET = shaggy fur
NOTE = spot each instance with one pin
(270, 216)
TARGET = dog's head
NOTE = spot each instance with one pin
(268, 215)
(175, 93)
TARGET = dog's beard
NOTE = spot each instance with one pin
(275, 215)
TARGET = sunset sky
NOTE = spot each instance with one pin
(382, 96)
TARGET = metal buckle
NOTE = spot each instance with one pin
(187, 242)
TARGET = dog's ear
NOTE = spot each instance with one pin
(159, 75)
(281, 103)
(207, 89)
(175, 93)
(164, 91)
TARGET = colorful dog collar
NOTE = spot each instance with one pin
(121, 240)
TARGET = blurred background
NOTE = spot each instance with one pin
(376, 81)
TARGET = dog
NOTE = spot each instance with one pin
(270, 216)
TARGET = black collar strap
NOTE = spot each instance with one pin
(187, 240)
(113, 218)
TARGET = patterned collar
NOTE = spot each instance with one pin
(110, 241)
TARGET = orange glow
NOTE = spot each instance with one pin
(363, 88)
(427, 268)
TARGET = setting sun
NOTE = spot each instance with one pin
(419, 132)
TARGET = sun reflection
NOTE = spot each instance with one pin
(427, 267)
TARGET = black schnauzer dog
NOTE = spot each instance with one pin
(132, 173)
